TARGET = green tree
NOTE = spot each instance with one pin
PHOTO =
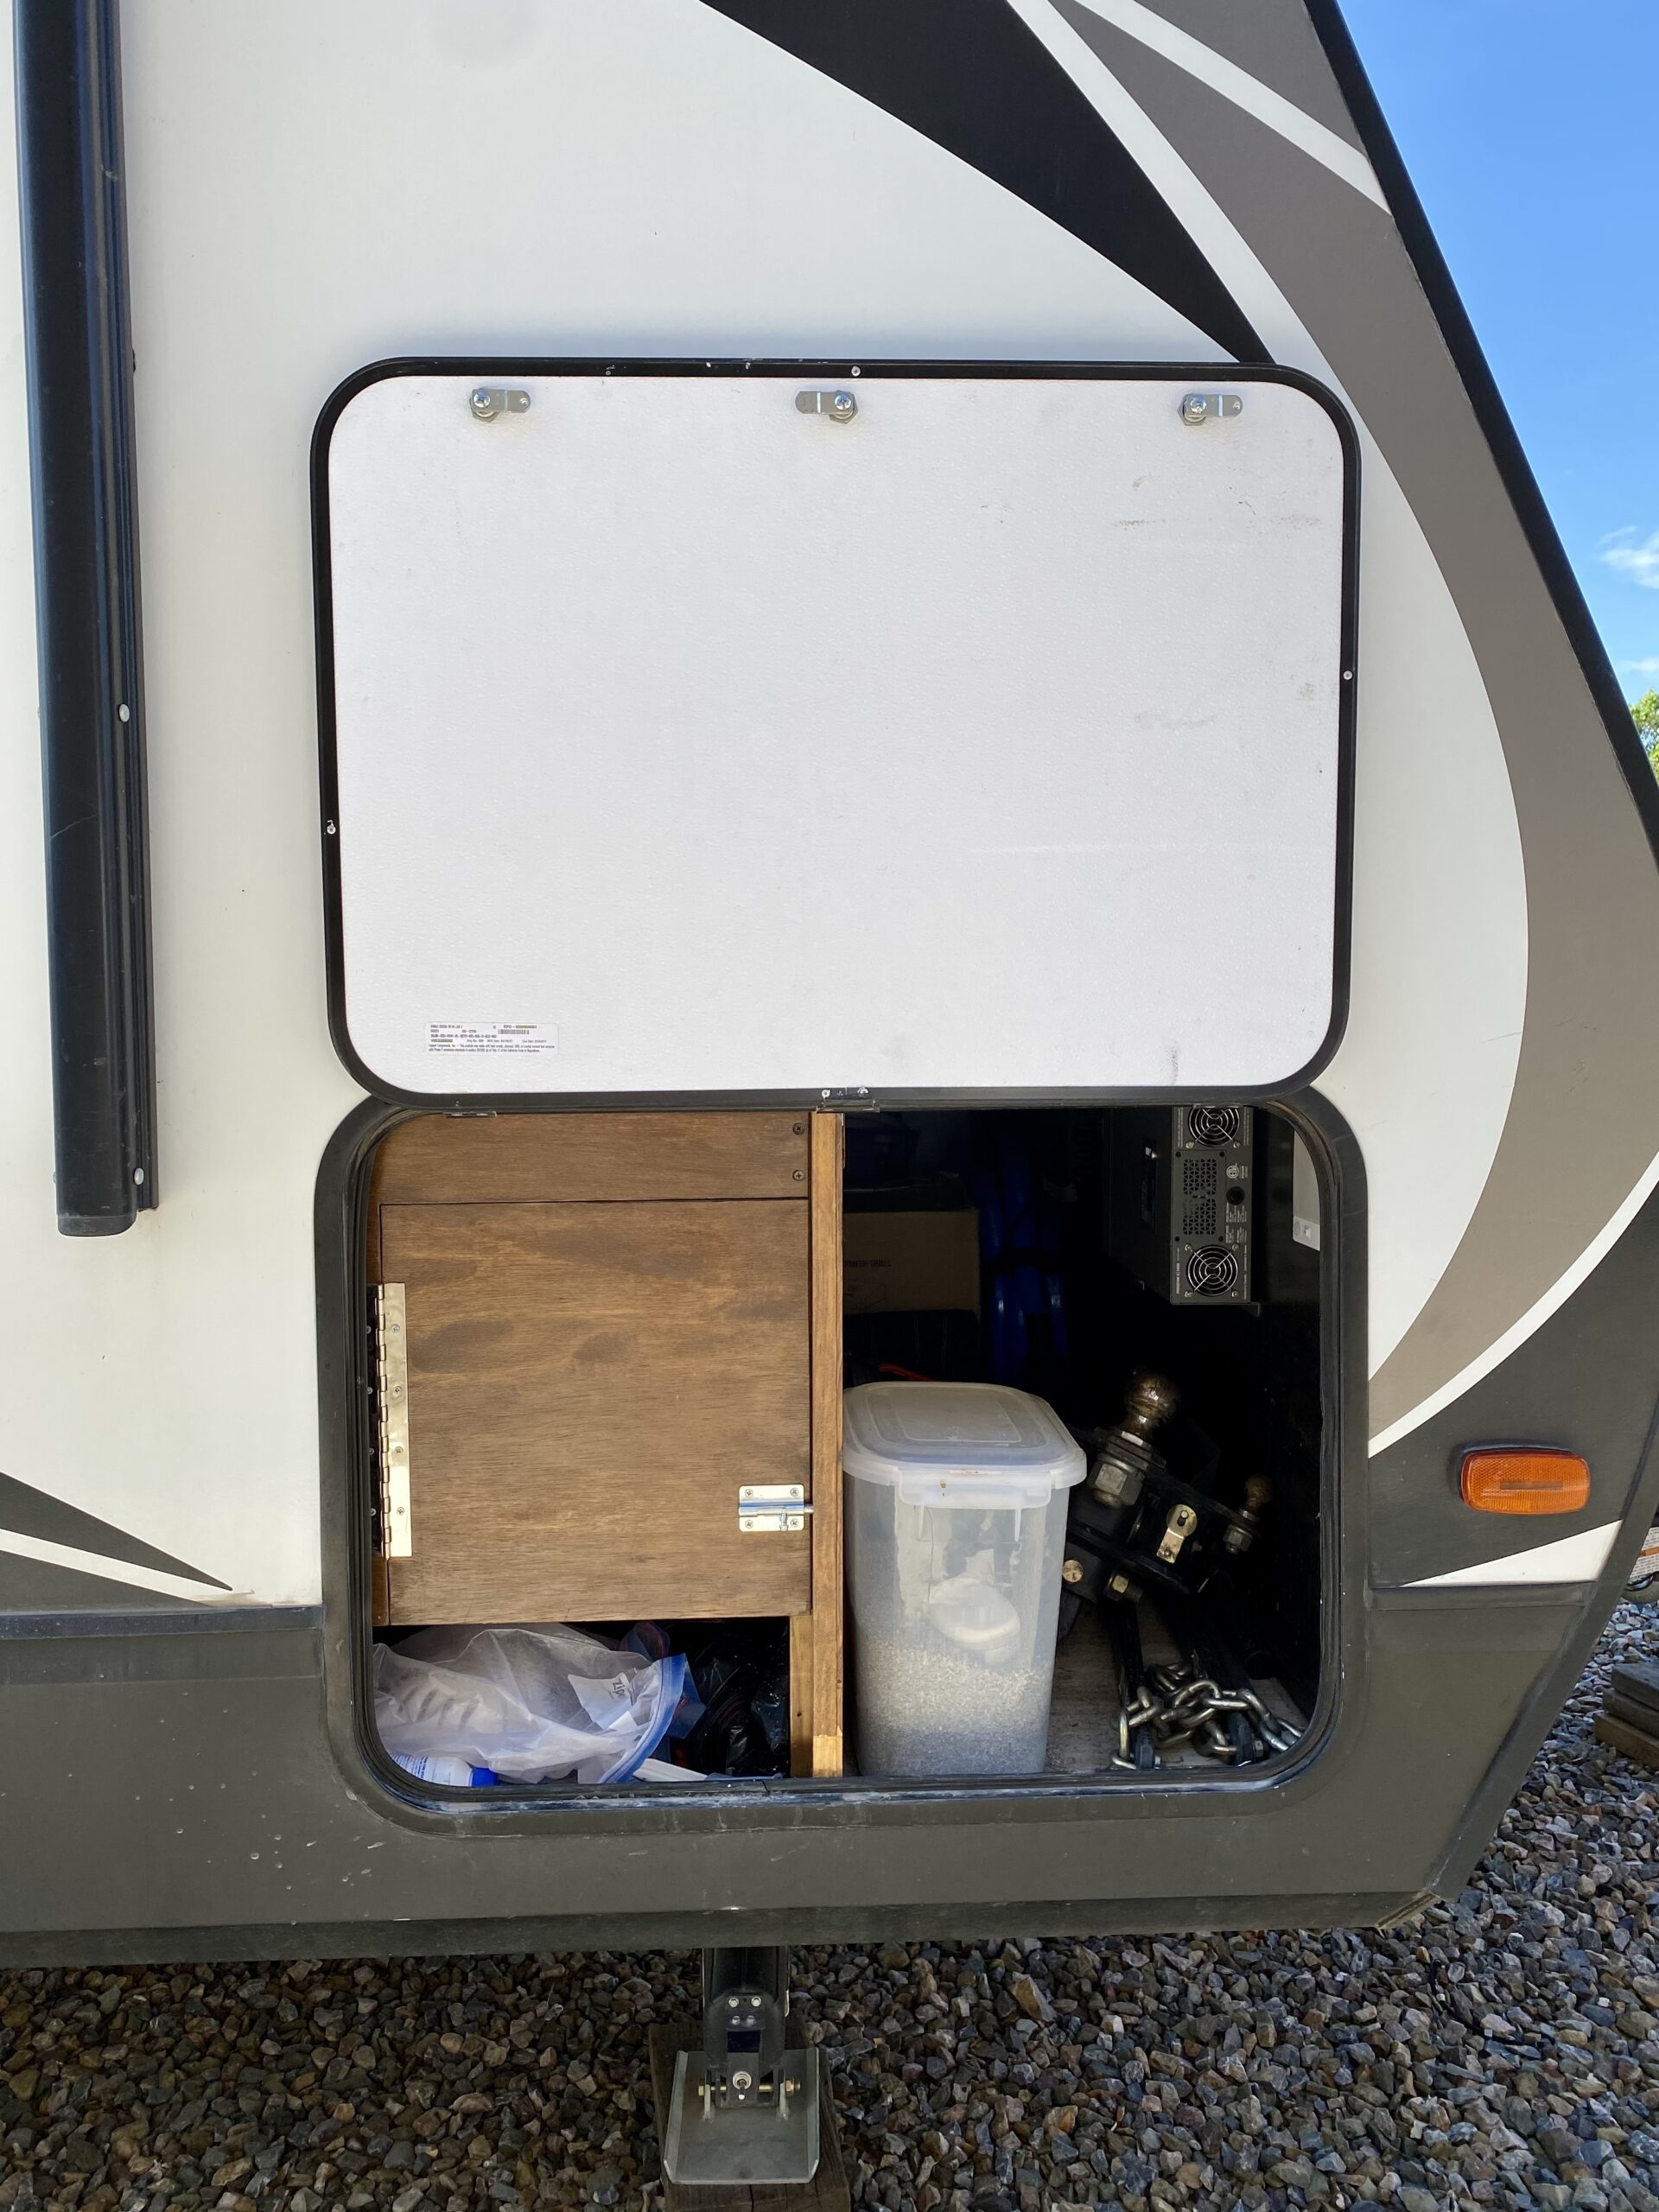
(1644, 713)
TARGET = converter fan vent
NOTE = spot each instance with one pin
(1212, 1271)
(1212, 1125)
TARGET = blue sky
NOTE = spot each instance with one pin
(1529, 127)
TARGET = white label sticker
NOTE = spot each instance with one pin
(608, 1704)
(491, 1037)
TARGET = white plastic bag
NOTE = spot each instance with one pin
(533, 1704)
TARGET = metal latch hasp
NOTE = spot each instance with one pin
(771, 1508)
(391, 1403)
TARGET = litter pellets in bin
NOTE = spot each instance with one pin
(956, 1535)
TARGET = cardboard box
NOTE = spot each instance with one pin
(913, 1262)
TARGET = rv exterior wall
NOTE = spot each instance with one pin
(916, 254)
(671, 180)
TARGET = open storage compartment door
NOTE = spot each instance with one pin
(757, 733)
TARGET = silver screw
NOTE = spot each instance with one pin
(483, 405)
(843, 405)
(1195, 408)
(1072, 1571)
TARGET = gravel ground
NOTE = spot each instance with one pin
(1504, 2049)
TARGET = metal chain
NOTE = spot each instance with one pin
(1180, 1706)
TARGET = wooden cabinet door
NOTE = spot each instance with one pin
(590, 1384)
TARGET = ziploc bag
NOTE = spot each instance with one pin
(533, 1704)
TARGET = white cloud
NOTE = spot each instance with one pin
(1649, 667)
(1633, 556)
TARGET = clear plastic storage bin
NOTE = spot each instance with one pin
(956, 1535)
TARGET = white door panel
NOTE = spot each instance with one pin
(687, 743)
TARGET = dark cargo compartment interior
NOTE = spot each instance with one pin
(1083, 1221)
(1151, 1273)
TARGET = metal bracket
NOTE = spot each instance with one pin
(711, 2140)
(1180, 1526)
(489, 400)
(1210, 407)
(392, 1404)
(771, 1508)
(743, 2108)
(838, 406)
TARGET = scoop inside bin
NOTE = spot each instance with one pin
(975, 1616)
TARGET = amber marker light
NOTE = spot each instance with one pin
(1533, 1479)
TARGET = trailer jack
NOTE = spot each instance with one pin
(742, 2108)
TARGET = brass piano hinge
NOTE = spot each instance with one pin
(391, 1406)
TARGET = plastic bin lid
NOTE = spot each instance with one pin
(959, 1443)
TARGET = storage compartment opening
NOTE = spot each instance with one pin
(610, 1358)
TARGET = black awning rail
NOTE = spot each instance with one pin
(80, 405)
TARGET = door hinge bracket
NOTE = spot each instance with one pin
(391, 1406)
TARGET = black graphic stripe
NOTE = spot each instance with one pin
(39, 1586)
(25, 1511)
(977, 81)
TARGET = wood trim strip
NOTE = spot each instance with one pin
(502, 1159)
(828, 1147)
